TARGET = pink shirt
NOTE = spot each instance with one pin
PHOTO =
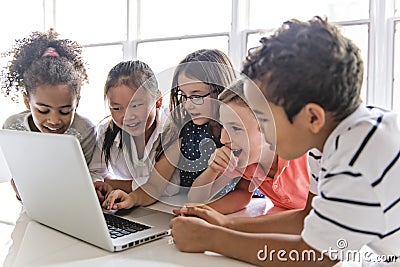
(290, 186)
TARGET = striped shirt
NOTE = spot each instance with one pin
(357, 186)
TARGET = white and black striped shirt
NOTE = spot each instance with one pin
(358, 185)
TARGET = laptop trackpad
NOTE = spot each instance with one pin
(135, 212)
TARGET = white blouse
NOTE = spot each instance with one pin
(123, 166)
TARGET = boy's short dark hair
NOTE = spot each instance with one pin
(308, 62)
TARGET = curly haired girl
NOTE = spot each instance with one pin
(48, 72)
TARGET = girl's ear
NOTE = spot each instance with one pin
(316, 117)
(26, 101)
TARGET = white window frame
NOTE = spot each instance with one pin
(381, 23)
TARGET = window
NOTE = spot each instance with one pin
(270, 14)
(167, 54)
(355, 14)
(100, 60)
(13, 21)
(17, 29)
(357, 33)
(182, 17)
(161, 33)
(88, 22)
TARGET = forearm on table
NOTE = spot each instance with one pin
(264, 249)
(288, 222)
(232, 202)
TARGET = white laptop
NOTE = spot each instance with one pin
(5, 174)
(56, 189)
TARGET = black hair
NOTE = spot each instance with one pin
(308, 62)
(133, 74)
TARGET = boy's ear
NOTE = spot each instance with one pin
(26, 101)
(316, 117)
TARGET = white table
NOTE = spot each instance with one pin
(24, 242)
(28, 243)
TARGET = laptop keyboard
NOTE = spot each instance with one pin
(118, 226)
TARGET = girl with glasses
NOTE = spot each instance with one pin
(197, 82)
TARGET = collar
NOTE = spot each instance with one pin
(26, 121)
(350, 120)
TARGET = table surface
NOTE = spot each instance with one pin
(24, 242)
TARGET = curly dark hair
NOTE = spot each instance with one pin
(29, 69)
(308, 62)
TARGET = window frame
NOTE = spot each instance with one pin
(381, 24)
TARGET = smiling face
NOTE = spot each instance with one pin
(131, 109)
(241, 133)
(202, 113)
(53, 108)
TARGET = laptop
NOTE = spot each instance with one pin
(5, 174)
(56, 189)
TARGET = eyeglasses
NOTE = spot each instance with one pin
(195, 99)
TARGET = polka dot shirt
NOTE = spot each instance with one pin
(198, 143)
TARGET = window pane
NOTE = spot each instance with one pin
(397, 8)
(92, 21)
(167, 54)
(270, 14)
(14, 20)
(164, 56)
(18, 29)
(357, 33)
(160, 18)
(253, 40)
(396, 74)
(100, 61)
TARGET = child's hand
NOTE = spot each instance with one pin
(204, 212)
(118, 199)
(223, 159)
(191, 234)
(102, 190)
